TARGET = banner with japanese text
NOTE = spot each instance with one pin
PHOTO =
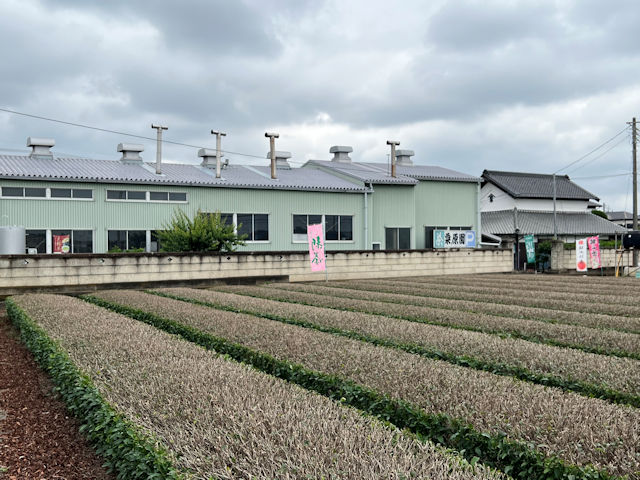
(61, 244)
(594, 251)
(316, 247)
(530, 248)
(581, 255)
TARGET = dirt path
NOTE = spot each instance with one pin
(38, 438)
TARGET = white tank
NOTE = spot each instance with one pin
(13, 241)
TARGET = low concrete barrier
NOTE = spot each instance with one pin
(83, 272)
(565, 260)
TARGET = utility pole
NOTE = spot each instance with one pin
(218, 150)
(635, 186)
(272, 149)
(393, 156)
(159, 128)
(555, 224)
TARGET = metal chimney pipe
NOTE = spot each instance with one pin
(393, 156)
(272, 150)
(159, 128)
(218, 150)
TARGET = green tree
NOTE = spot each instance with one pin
(206, 232)
(600, 213)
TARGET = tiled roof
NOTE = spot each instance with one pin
(379, 172)
(620, 215)
(114, 171)
(535, 185)
(504, 222)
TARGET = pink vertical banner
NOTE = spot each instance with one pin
(316, 248)
(594, 251)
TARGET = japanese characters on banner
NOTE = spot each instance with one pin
(594, 251)
(454, 239)
(315, 236)
(581, 255)
(61, 244)
(530, 247)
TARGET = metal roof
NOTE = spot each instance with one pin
(379, 172)
(114, 171)
(536, 185)
(364, 172)
(529, 222)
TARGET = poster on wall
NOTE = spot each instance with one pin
(61, 244)
(315, 235)
(530, 248)
(594, 251)
(581, 255)
(454, 239)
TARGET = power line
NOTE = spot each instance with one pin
(599, 156)
(604, 176)
(592, 151)
(116, 132)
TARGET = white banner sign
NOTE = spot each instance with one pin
(581, 255)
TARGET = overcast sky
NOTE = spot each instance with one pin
(469, 85)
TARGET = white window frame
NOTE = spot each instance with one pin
(48, 195)
(147, 241)
(302, 238)
(147, 196)
(235, 225)
(50, 238)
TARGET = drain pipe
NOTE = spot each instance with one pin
(478, 217)
(366, 217)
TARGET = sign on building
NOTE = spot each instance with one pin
(530, 248)
(581, 255)
(315, 236)
(454, 239)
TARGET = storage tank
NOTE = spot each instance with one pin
(12, 240)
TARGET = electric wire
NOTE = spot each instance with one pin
(594, 150)
(116, 132)
(578, 167)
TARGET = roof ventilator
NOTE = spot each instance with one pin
(40, 147)
(130, 153)
(281, 160)
(341, 154)
(208, 156)
(403, 158)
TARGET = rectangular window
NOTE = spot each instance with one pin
(227, 218)
(177, 197)
(82, 193)
(254, 225)
(116, 194)
(117, 240)
(397, 238)
(12, 192)
(155, 242)
(35, 192)
(37, 239)
(158, 196)
(336, 227)
(137, 239)
(81, 241)
(60, 193)
(136, 195)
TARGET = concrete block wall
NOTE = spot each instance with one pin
(562, 259)
(23, 272)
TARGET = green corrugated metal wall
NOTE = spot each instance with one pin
(100, 215)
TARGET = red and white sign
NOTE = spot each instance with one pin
(61, 244)
(594, 251)
(581, 255)
(316, 247)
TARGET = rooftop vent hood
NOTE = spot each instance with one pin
(403, 158)
(130, 152)
(208, 156)
(281, 159)
(341, 154)
(40, 147)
